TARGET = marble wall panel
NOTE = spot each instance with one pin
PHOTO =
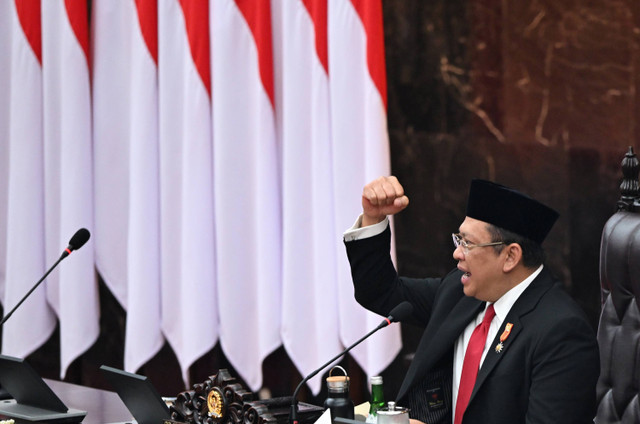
(539, 95)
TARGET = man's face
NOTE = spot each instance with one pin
(482, 266)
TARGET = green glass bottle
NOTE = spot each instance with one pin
(377, 399)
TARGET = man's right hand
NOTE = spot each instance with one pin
(381, 197)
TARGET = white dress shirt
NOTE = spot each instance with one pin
(502, 307)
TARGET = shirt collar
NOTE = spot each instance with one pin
(503, 305)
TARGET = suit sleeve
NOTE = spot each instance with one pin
(377, 285)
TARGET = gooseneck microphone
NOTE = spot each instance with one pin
(399, 313)
(77, 241)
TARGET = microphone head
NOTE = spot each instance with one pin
(79, 239)
(400, 312)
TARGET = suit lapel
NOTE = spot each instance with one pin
(494, 357)
(525, 304)
(437, 342)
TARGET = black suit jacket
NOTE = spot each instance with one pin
(547, 370)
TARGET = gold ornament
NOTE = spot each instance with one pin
(215, 403)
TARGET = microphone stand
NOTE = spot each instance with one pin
(6, 317)
(77, 241)
(293, 415)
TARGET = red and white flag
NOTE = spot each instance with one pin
(310, 330)
(73, 290)
(248, 214)
(125, 105)
(361, 152)
(228, 156)
(25, 217)
(188, 270)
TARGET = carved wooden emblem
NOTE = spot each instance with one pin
(221, 399)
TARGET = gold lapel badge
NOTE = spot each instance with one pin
(503, 337)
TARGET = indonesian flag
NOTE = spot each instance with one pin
(310, 310)
(361, 153)
(247, 194)
(72, 291)
(230, 146)
(125, 105)
(188, 264)
(25, 219)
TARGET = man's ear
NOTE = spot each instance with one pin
(513, 258)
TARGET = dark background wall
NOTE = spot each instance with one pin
(538, 95)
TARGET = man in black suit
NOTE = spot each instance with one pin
(534, 359)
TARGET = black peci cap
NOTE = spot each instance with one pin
(509, 209)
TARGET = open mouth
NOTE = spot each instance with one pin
(465, 277)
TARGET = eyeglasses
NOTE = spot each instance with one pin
(458, 241)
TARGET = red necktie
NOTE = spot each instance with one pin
(472, 363)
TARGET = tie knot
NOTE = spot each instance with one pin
(489, 314)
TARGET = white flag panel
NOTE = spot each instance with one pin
(125, 105)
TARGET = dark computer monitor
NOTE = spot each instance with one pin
(139, 395)
(33, 399)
